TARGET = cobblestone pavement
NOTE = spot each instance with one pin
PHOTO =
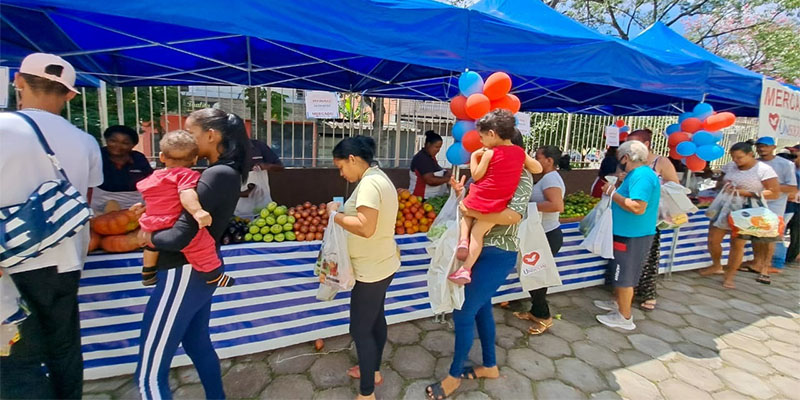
(703, 342)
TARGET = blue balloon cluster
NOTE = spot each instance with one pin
(703, 143)
(470, 83)
(457, 154)
(461, 127)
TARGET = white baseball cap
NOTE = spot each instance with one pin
(50, 66)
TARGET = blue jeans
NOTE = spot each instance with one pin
(488, 274)
(177, 313)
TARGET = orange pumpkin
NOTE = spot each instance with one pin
(120, 243)
(115, 223)
(94, 241)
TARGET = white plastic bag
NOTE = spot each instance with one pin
(445, 296)
(675, 206)
(600, 236)
(333, 264)
(758, 222)
(722, 206)
(447, 216)
(259, 197)
(535, 265)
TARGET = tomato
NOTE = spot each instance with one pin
(400, 231)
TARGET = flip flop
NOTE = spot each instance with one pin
(747, 268)
(435, 392)
(540, 330)
(355, 373)
(647, 307)
(764, 279)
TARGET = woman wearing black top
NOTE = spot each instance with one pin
(123, 167)
(179, 308)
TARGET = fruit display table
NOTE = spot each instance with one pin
(273, 303)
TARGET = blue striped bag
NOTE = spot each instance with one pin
(54, 211)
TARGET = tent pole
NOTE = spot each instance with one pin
(103, 108)
(568, 133)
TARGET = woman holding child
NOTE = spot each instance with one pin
(179, 308)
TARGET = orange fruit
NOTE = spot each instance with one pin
(413, 199)
(399, 215)
(405, 194)
(401, 206)
(408, 224)
(423, 228)
(400, 231)
(423, 221)
(399, 223)
(431, 215)
(419, 215)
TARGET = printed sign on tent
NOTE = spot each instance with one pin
(612, 136)
(3, 87)
(779, 111)
(321, 105)
(524, 123)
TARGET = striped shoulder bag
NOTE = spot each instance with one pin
(54, 211)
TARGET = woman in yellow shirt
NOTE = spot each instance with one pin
(369, 218)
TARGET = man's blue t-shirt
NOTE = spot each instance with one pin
(640, 184)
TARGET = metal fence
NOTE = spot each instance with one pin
(277, 116)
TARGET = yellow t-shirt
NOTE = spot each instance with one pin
(377, 257)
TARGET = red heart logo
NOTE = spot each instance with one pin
(531, 258)
(774, 119)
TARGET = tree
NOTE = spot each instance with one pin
(279, 109)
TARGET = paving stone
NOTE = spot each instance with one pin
(729, 395)
(666, 318)
(738, 294)
(499, 314)
(105, 385)
(780, 310)
(710, 312)
(261, 356)
(608, 337)
(743, 316)
(630, 385)
(644, 365)
(506, 336)
(782, 334)
(579, 374)
(678, 286)
(676, 390)
(558, 300)
(742, 342)
(701, 299)
(746, 306)
(187, 374)
(391, 387)
(745, 383)
(510, 385)
(698, 354)
(746, 361)
(672, 294)
(786, 386)
(659, 330)
(476, 354)
(428, 324)
(473, 395)
(292, 360)
(338, 343)
(605, 395)
(518, 324)
(557, 390)
(696, 375)
(582, 317)
(246, 380)
(96, 396)
(439, 343)
(566, 330)
(550, 345)
(413, 362)
(386, 356)
(715, 293)
(707, 325)
(128, 391)
(191, 392)
(531, 364)
(651, 346)
(785, 365)
(784, 322)
(443, 369)
(225, 365)
(701, 338)
(289, 387)
(753, 332)
(672, 306)
(331, 371)
(337, 393)
(405, 333)
(173, 380)
(788, 303)
(594, 355)
(783, 348)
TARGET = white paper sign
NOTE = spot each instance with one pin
(524, 123)
(3, 87)
(321, 104)
(779, 111)
(612, 136)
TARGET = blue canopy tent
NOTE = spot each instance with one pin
(404, 49)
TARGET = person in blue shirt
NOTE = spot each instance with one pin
(634, 210)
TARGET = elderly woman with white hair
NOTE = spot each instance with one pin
(635, 212)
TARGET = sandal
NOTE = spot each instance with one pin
(525, 316)
(469, 373)
(355, 373)
(648, 305)
(460, 277)
(538, 330)
(462, 251)
(747, 268)
(764, 279)
(435, 391)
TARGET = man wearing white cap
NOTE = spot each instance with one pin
(48, 283)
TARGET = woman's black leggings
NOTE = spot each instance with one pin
(539, 307)
(368, 328)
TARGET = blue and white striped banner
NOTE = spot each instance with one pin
(273, 303)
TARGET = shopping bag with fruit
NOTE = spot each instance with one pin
(445, 296)
(727, 201)
(535, 265)
(759, 222)
(333, 263)
(599, 230)
(446, 217)
(675, 206)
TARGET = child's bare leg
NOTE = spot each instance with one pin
(462, 250)
(149, 258)
(479, 230)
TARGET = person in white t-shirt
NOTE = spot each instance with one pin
(48, 283)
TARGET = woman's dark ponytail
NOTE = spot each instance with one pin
(564, 163)
(555, 154)
(235, 144)
(359, 146)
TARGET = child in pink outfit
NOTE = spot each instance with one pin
(496, 170)
(166, 193)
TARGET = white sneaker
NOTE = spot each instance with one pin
(615, 320)
(610, 305)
